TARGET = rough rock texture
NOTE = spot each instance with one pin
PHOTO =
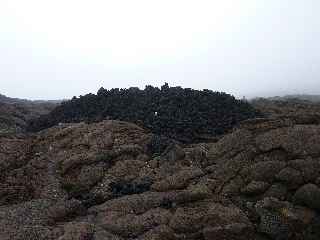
(104, 181)
(270, 167)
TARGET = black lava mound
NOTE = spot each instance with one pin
(181, 113)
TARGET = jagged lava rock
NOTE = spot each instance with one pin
(107, 180)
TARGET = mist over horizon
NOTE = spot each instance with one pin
(61, 49)
(265, 94)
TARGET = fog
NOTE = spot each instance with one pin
(58, 49)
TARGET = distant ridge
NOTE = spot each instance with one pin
(15, 113)
(9, 100)
(302, 97)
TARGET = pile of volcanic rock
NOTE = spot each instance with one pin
(184, 114)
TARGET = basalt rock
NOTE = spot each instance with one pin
(186, 115)
(273, 161)
(109, 180)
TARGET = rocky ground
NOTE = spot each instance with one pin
(113, 180)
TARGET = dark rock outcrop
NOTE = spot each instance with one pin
(186, 115)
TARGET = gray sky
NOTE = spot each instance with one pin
(61, 48)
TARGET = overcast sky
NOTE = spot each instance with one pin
(53, 49)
